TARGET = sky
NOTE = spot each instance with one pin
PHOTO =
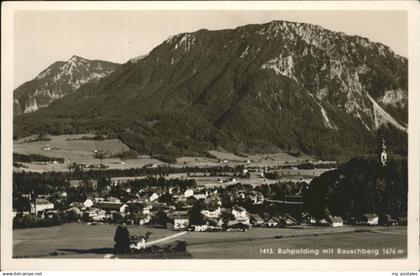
(43, 37)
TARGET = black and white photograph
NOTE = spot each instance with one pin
(205, 134)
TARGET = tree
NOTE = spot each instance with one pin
(122, 240)
(117, 218)
(161, 218)
(166, 198)
(196, 217)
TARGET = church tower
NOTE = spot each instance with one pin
(384, 155)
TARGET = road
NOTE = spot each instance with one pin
(112, 256)
(166, 238)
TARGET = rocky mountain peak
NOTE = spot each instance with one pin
(76, 58)
(58, 80)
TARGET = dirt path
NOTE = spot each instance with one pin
(166, 238)
(111, 256)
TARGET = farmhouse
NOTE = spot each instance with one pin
(137, 242)
(287, 219)
(172, 190)
(371, 219)
(211, 224)
(181, 222)
(256, 197)
(336, 221)
(271, 222)
(41, 205)
(307, 218)
(188, 193)
(256, 220)
(200, 228)
(88, 203)
(95, 214)
(240, 214)
(199, 196)
(237, 226)
(143, 219)
(147, 209)
(153, 197)
(212, 212)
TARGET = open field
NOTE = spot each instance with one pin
(72, 149)
(264, 243)
(255, 179)
(95, 241)
(79, 151)
(262, 160)
(82, 240)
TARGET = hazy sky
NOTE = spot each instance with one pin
(43, 37)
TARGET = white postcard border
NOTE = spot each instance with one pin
(8, 263)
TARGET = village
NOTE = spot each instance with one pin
(181, 204)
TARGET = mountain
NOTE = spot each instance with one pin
(257, 88)
(58, 80)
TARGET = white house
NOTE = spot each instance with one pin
(96, 214)
(257, 197)
(371, 219)
(256, 220)
(271, 222)
(147, 209)
(171, 190)
(123, 208)
(336, 221)
(42, 204)
(240, 214)
(201, 228)
(212, 212)
(144, 219)
(189, 192)
(153, 197)
(200, 196)
(88, 203)
(137, 242)
(181, 222)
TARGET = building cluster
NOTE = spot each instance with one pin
(195, 208)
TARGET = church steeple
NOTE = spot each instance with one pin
(384, 155)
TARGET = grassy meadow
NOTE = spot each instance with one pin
(95, 241)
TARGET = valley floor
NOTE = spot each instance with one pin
(73, 149)
(96, 241)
